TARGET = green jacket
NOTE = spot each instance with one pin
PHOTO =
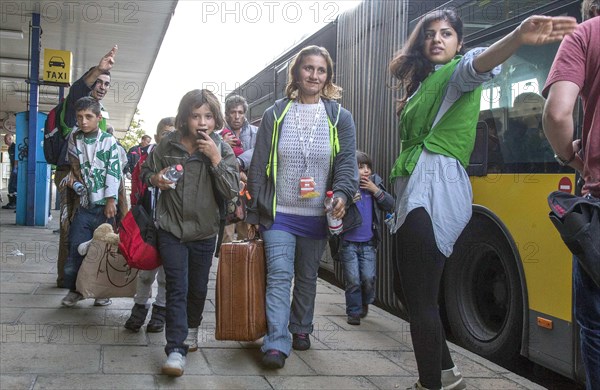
(452, 136)
(190, 211)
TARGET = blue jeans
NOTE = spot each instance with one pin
(587, 314)
(81, 230)
(290, 257)
(358, 260)
(187, 266)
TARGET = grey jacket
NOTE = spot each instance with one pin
(261, 176)
(190, 212)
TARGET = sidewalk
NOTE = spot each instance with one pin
(46, 346)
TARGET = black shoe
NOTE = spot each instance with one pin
(273, 359)
(157, 320)
(301, 341)
(9, 206)
(365, 311)
(353, 320)
(137, 318)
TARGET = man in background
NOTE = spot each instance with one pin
(241, 136)
(12, 180)
(134, 154)
(122, 153)
(575, 73)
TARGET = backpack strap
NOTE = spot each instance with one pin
(66, 130)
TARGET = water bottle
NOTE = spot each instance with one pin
(390, 221)
(79, 188)
(335, 225)
(174, 173)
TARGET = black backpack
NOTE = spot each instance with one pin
(55, 136)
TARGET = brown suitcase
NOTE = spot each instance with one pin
(241, 287)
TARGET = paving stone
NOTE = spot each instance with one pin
(94, 382)
(248, 362)
(71, 334)
(320, 382)
(402, 337)
(331, 298)
(50, 288)
(367, 340)
(9, 315)
(195, 382)
(350, 363)
(17, 288)
(84, 313)
(29, 277)
(29, 300)
(16, 381)
(330, 309)
(40, 358)
(493, 383)
(16, 266)
(398, 382)
(404, 359)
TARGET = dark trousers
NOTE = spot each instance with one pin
(187, 266)
(12, 182)
(420, 266)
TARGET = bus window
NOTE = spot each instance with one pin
(490, 97)
(521, 87)
(512, 105)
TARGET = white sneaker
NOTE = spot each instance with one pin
(82, 249)
(453, 380)
(102, 302)
(71, 299)
(192, 339)
(174, 364)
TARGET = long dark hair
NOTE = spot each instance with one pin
(409, 65)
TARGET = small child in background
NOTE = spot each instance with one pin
(358, 246)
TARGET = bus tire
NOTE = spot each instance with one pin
(482, 292)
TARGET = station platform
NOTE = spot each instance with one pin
(46, 346)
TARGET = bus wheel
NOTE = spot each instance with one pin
(482, 292)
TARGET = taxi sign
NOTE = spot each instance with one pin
(57, 66)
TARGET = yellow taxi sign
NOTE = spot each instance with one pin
(57, 66)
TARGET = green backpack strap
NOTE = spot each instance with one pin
(66, 130)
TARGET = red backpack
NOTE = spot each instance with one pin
(138, 187)
(138, 238)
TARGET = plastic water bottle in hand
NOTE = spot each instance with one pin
(335, 225)
(174, 173)
(79, 188)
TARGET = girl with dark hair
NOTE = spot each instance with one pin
(439, 109)
(188, 215)
(304, 147)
